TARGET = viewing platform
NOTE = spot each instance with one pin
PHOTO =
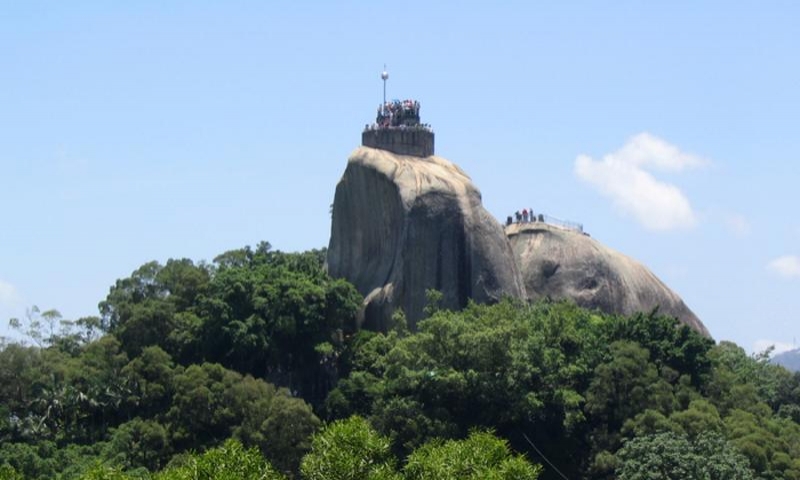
(398, 129)
(402, 141)
(543, 222)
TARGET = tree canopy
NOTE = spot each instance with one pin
(253, 365)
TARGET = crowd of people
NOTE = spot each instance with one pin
(399, 114)
(420, 126)
(525, 216)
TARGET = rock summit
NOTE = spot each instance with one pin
(406, 221)
(404, 224)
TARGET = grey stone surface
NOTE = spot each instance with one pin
(405, 224)
(416, 142)
(560, 263)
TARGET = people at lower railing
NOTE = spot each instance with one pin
(526, 215)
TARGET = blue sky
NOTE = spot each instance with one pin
(142, 131)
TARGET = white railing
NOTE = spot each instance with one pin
(547, 220)
(578, 227)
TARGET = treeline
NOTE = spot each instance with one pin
(257, 357)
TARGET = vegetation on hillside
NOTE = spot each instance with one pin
(252, 366)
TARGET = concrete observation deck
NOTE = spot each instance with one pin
(546, 224)
(398, 129)
(411, 141)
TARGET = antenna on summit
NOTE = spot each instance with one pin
(384, 77)
(397, 127)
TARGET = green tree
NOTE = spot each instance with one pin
(622, 387)
(480, 456)
(266, 312)
(20, 370)
(212, 403)
(139, 443)
(143, 309)
(106, 472)
(508, 366)
(349, 450)
(765, 440)
(701, 416)
(43, 328)
(669, 456)
(258, 311)
(150, 381)
(229, 461)
(625, 385)
(649, 422)
(670, 343)
(740, 381)
(7, 472)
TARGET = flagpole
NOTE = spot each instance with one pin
(384, 76)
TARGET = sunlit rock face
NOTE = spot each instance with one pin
(404, 224)
(564, 264)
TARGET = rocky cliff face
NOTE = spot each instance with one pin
(560, 263)
(404, 224)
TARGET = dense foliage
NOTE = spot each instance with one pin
(273, 315)
(191, 356)
(352, 450)
(221, 370)
(570, 388)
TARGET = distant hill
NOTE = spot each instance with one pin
(790, 359)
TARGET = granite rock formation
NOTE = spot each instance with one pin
(561, 263)
(404, 224)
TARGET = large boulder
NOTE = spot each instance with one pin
(404, 224)
(561, 263)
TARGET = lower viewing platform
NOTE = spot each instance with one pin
(402, 141)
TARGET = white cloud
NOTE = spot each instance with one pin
(9, 297)
(622, 176)
(780, 347)
(737, 224)
(787, 266)
(647, 150)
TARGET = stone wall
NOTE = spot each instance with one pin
(418, 143)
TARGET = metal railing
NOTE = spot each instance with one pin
(548, 220)
(578, 227)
